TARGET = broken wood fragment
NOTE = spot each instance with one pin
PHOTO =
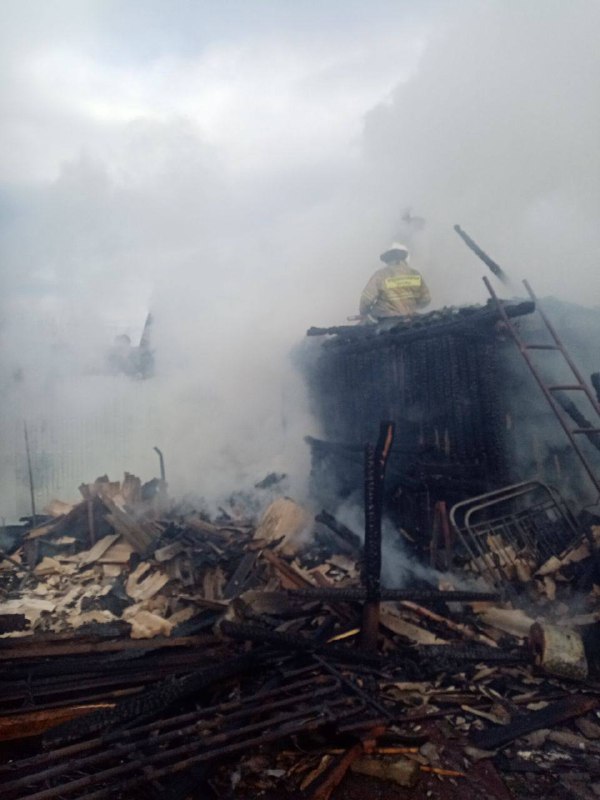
(238, 579)
(34, 723)
(98, 550)
(13, 622)
(290, 577)
(395, 623)
(559, 651)
(144, 582)
(141, 538)
(286, 522)
(351, 540)
(323, 785)
(401, 771)
(455, 627)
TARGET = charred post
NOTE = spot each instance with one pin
(375, 463)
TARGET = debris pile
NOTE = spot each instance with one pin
(149, 649)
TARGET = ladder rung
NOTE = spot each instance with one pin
(572, 388)
(585, 430)
(541, 347)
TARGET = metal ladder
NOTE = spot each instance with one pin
(579, 384)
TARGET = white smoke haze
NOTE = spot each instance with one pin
(400, 568)
(237, 168)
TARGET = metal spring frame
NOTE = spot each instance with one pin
(516, 527)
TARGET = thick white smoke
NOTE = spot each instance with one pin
(242, 188)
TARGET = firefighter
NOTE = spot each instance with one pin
(396, 290)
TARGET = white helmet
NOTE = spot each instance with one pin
(397, 252)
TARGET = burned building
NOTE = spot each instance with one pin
(469, 417)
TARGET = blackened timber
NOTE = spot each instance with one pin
(152, 763)
(565, 709)
(372, 559)
(288, 641)
(434, 323)
(55, 645)
(431, 659)
(145, 770)
(151, 703)
(28, 765)
(240, 576)
(569, 406)
(472, 245)
(13, 622)
(353, 686)
(344, 533)
(422, 596)
(171, 732)
(375, 464)
(455, 656)
(442, 384)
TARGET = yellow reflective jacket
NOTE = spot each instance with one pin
(394, 291)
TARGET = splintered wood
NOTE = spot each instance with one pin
(124, 620)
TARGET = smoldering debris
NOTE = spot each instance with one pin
(154, 644)
(222, 654)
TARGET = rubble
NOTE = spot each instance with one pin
(150, 649)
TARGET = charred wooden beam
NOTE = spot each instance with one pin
(424, 596)
(130, 758)
(151, 703)
(345, 534)
(375, 463)
(13, 622)
(561, 711)
(580, 419)
(287, 641)
(472, 245)
(238, 580)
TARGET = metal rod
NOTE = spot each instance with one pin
(30, 472)
(161, 462)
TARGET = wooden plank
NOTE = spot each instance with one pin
(98, 550)
(239, 577)
(72, 647)
(409, 630)
(138, 536)
(145, 582)
(290, 578)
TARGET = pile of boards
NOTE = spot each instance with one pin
(152, 650)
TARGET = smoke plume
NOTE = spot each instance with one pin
(237, 173)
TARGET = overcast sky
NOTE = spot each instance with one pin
(239, 166)
(144, 135)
